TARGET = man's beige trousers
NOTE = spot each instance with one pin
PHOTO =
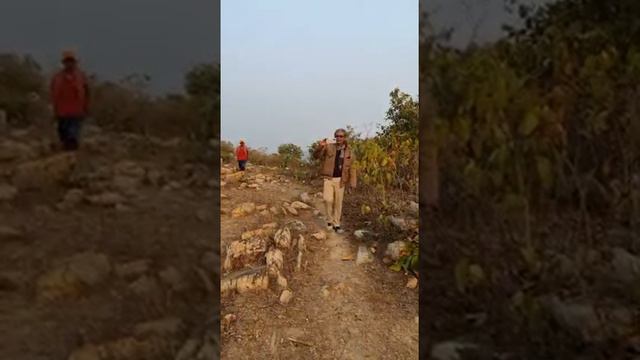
(333, 194)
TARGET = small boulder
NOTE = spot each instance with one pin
(132, 269)
(243, 210)
(396, 250)
(364, 256)
(168, 326)
(399, 223)
(286, 296)
(304, 197)
(7, 192)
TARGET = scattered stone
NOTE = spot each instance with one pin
(291, 210)
(298, 205)
(210, 260)
(360, 234)
(202, 215)
(579, 319)
(262, 232)
(243, 252)
(412, 283)
(325, 291)
(154, 177)
(230, 318)
(414, 207)
(10, 234)
(124, 349)
(282, 281)
(73, 197)
(275, 261)
(73, 276)
(91, 268)
(286, 296)
(132, 269)
(12, 150)
(108, 199)
(172, 277)
(450, 350)
(297, 225)
(126, 184)
(129, 169)
(282, 238)
(87, 352)
(626, 266)
(274, 210)
(364, 256)
(7, 192)
(399, 223)
(319, 235)
(304, 197)
(245, 280)
(11, 281)
(271, 226)
(41, 173)
(301, 249)
(163, 327)
(396, 250)
(145, 286)
(243, 210)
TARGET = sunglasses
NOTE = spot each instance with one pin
(339, 136)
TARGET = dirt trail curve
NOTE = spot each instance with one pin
(107, 255)
(294, 290)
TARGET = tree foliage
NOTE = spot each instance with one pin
(545, 114)
(289, 154)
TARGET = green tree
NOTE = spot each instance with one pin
(289, 154)
(402, 116)
(21, 82)
(202, 84)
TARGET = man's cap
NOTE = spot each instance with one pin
(69, 55)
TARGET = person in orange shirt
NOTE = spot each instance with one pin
(242, 155)
(70, 100)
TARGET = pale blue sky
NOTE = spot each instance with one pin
(293, 71)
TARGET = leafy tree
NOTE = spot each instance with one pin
(289, 154)
(202, 84)
(402, 116)
(21, 84)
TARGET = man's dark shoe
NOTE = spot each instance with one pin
(338, 229)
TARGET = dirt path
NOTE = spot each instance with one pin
(339, 309)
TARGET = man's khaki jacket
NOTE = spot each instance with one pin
(327, 157)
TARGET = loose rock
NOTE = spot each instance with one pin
(364, 256)
(286, 297)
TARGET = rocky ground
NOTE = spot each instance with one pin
(109, 253)
(562, 296)
(294, 290)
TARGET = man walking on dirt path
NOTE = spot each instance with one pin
(242, 155)
(70, 100)
(336, 167)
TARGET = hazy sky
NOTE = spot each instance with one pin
(293, 71)
(485, 18)
(162, 38)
